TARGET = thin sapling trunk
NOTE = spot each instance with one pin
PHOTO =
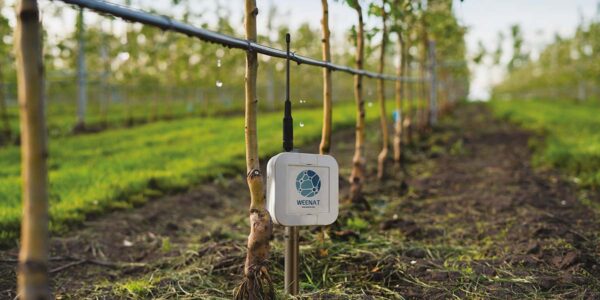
(399, 95)
(256, 283)
(325, 145)
(357, 176)
(424, 124)
(32, 278)
(383, 155)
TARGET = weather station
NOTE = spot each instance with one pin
(302, 190)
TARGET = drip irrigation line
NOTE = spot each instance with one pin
(168, 24)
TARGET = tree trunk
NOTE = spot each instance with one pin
(413, 104)
(6, 130)
(425, 115)
(257, 282)
(383, 155)
(33, 280)
(326, 134)
(399, 93)
(81, 74)
(358, 161)
(105, 94)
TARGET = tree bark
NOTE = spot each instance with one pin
(32, 278)
(106, 93)
(81, 74)
(358, 162)
(425, 115)
(257, 282)
(325, 145)
(383, 155)
(399, 95)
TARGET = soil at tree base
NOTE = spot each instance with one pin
(473, 220)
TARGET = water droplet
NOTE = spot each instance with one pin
(219, 83)
(370, 104)
(301, 124)
(302, 101)
(220, 53)
(218, 63)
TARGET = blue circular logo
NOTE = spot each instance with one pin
(308, 183)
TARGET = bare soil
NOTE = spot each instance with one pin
(469, 218)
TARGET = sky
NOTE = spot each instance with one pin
(539, 20)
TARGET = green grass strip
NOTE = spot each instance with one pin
(571, 134)
(90, 174)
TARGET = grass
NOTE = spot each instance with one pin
(571, 135)
(119, 168)
(135, 289)
(61, 116)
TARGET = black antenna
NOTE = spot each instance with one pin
(288, 121)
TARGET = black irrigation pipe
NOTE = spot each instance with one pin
(166, 23)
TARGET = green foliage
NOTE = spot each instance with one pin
(567, 69)
(357, 223)
(520, 57)
(571, 135)
(165, 245)
(480, 54)
(497, 55)
(135, 289)
(458, 148)
(353, 3)
(121, 168)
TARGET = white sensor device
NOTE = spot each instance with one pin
(303, 189)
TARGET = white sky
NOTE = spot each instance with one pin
(539, 19)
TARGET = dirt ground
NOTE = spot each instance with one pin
(469, 218)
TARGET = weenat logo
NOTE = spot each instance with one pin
(308, 183)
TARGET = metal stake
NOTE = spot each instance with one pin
(291, 233)
(291, 260)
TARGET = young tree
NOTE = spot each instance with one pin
(380, 11)
(520, 56)
(450, 51)
(399, 13)
(423, 46)
(81, 73)
(358, 161)
(32, 279)
(257, 282)
(327, 109)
